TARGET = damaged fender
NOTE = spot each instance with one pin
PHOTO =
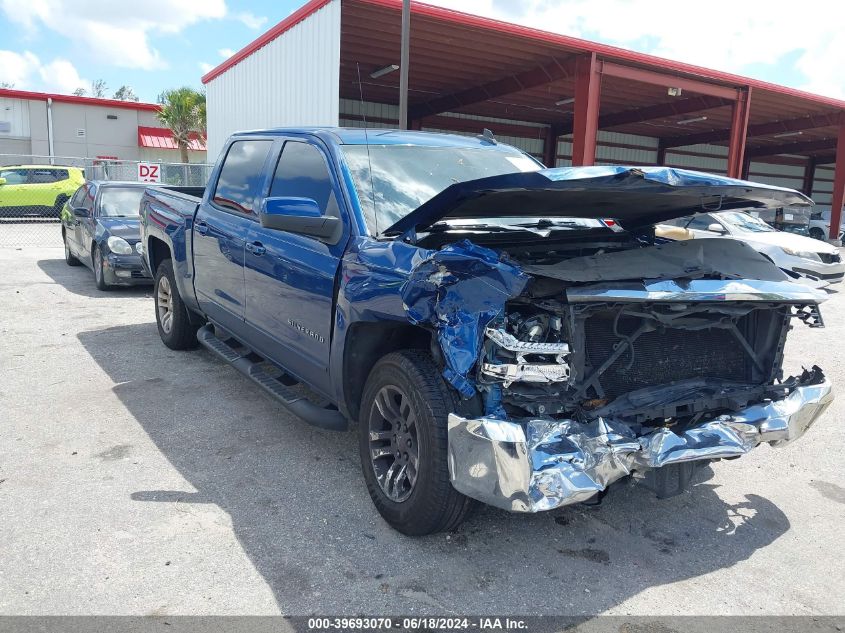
(459, 290)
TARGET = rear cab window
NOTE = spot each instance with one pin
(242, 176)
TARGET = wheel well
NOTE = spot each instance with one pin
(158, 252)
(366, 343)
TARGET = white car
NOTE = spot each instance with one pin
(796, 255)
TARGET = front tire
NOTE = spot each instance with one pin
(174, 324)
(70, 260)
(816, 233)
(99, 269)
(61, 199)
(404, 446)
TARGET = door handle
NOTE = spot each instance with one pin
(201, 227)
(256, 248)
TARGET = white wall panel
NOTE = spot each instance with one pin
(14, 113)
(292, 81)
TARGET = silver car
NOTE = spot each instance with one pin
(797, 255)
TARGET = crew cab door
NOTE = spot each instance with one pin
(221, 226)
(290, 277)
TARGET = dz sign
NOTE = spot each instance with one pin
(149, 172)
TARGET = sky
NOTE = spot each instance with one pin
(61, 45)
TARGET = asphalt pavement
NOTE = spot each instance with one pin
(139, 480)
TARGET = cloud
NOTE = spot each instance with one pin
(727, 35)
(225, 53)
(26, 72)
(205, 67)
(251, 20)
(114, 31)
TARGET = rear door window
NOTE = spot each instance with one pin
(42, 176)
(241, 176)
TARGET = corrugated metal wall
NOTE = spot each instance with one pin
(293, 80)
(612, 148)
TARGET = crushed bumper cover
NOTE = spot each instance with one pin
(541, 464)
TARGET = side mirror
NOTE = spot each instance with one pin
(299, 215)
(81, 213)
(716, 228)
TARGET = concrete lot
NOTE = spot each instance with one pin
(138, 480)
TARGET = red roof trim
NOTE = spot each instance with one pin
(586, 46)
(289, 22)
(459, 17)
(162, 138)
(43, 96)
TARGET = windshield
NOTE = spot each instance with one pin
(403, 177)
(120, 202)
(744, 222)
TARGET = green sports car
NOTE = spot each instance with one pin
(27, 190)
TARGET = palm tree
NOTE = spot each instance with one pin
(183, 112)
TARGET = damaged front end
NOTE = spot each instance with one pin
(631, 361)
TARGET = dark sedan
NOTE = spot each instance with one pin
(100, 228)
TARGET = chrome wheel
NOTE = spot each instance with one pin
(394, 449)
(67, 248)
(164, 304)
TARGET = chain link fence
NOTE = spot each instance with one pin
(33, 190)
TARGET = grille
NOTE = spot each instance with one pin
(661, 357)
(829, 258)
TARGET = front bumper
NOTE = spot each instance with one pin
(125, 270)
(831, 273)
(541, 464)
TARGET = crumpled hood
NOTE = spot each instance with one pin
(636, 196)
(127, 228)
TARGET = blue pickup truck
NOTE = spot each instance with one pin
(497, 331)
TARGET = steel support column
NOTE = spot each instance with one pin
(809, 176)
(661, 155)
(838, 182)
(550, 145)
(739, 130)
(586, 119)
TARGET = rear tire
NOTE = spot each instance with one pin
(174, 324)
(99, 269)
(70, 260)
(59, 205)
(405, 405)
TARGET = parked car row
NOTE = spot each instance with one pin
(798, 256)
(500, 332)
(37, 190)
(101, 229)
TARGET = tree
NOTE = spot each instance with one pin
(7, 84)
(125, 93)
(183, 112)
(98, 88)
(79, 92)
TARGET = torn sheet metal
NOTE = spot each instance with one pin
(459, 290)
(540, 464)
(675, 260)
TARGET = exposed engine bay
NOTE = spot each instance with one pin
(613, 362)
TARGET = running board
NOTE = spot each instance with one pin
(329, 419)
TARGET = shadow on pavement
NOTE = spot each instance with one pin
(80, 280)
(301, 512)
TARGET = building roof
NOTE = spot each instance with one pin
(477, 66)
(10, 93)
(162, 138)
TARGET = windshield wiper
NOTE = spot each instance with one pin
(546, 223)
(443, 227)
